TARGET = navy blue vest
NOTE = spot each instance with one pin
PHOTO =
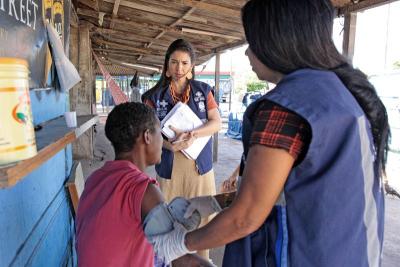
(198, 103)
(332, 207)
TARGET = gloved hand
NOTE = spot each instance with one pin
(171, 245)
(205, 205)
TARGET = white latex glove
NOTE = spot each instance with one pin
(205, 205)
(171, 245)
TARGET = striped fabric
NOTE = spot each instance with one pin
(116, 92)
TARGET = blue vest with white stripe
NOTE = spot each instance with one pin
(198, 103)
(332, 207)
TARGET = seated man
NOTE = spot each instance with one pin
(118, 196)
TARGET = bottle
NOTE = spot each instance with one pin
(17, 135)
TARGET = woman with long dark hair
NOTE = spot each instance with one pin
(177, 174)
(314, 151)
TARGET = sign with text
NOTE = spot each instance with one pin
(23, 33)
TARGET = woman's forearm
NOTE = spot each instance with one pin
(265, 174)
(208, 129)
(224, 228)
(212, 126)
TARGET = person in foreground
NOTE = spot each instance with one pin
(314, 151)
(177, 174)
(118, 196)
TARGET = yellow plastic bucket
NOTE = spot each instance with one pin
(17, 135)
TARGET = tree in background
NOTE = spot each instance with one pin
(256, 86)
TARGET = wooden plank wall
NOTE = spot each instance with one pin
(36, 219)
(82, 96)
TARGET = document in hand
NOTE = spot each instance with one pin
(184, 119)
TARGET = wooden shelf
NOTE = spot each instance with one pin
(53, 137)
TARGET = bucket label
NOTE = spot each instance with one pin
(17, 136)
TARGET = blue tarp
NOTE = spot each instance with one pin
(107, 99)
(235, 121)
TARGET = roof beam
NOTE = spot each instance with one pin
(119, 41)
(118, 60)
(145, 66)
(185, 15)
(362, 5)
(152, 9)
(140, 31)
(145, 25)
(164, 29)
(108, 63)
(127, 47)
(114, 13)
(128, 60)
(202, 43)
(132, 37)
(230, 46)
(210, 7)
(116, 53)
(121, 52)
(184, 29)
(153, 26)
(128, 36)
(90, 3)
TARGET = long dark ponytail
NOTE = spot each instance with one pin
(287, 35)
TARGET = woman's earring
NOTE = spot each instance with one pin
(167, 74)
(189, 75)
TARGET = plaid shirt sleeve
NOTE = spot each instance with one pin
(278, 127)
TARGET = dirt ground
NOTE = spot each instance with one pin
(229, 152)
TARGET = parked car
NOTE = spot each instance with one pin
(225, 97)
(255, 96)
(249, 98)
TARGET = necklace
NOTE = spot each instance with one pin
(184, 97)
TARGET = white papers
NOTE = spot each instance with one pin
(184, 119)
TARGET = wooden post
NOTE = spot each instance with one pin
(128, 88)
(83, 100)
(217, 76)
(74, 57)
(102, 92)
(349, 35)
(94, 96)
(230, 99)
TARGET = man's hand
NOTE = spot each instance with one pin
(205, 205)
(171, 245)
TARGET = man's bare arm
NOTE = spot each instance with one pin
(152, 197)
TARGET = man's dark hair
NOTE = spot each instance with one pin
(126, 122)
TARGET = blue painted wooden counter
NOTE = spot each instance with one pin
(37, 228)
